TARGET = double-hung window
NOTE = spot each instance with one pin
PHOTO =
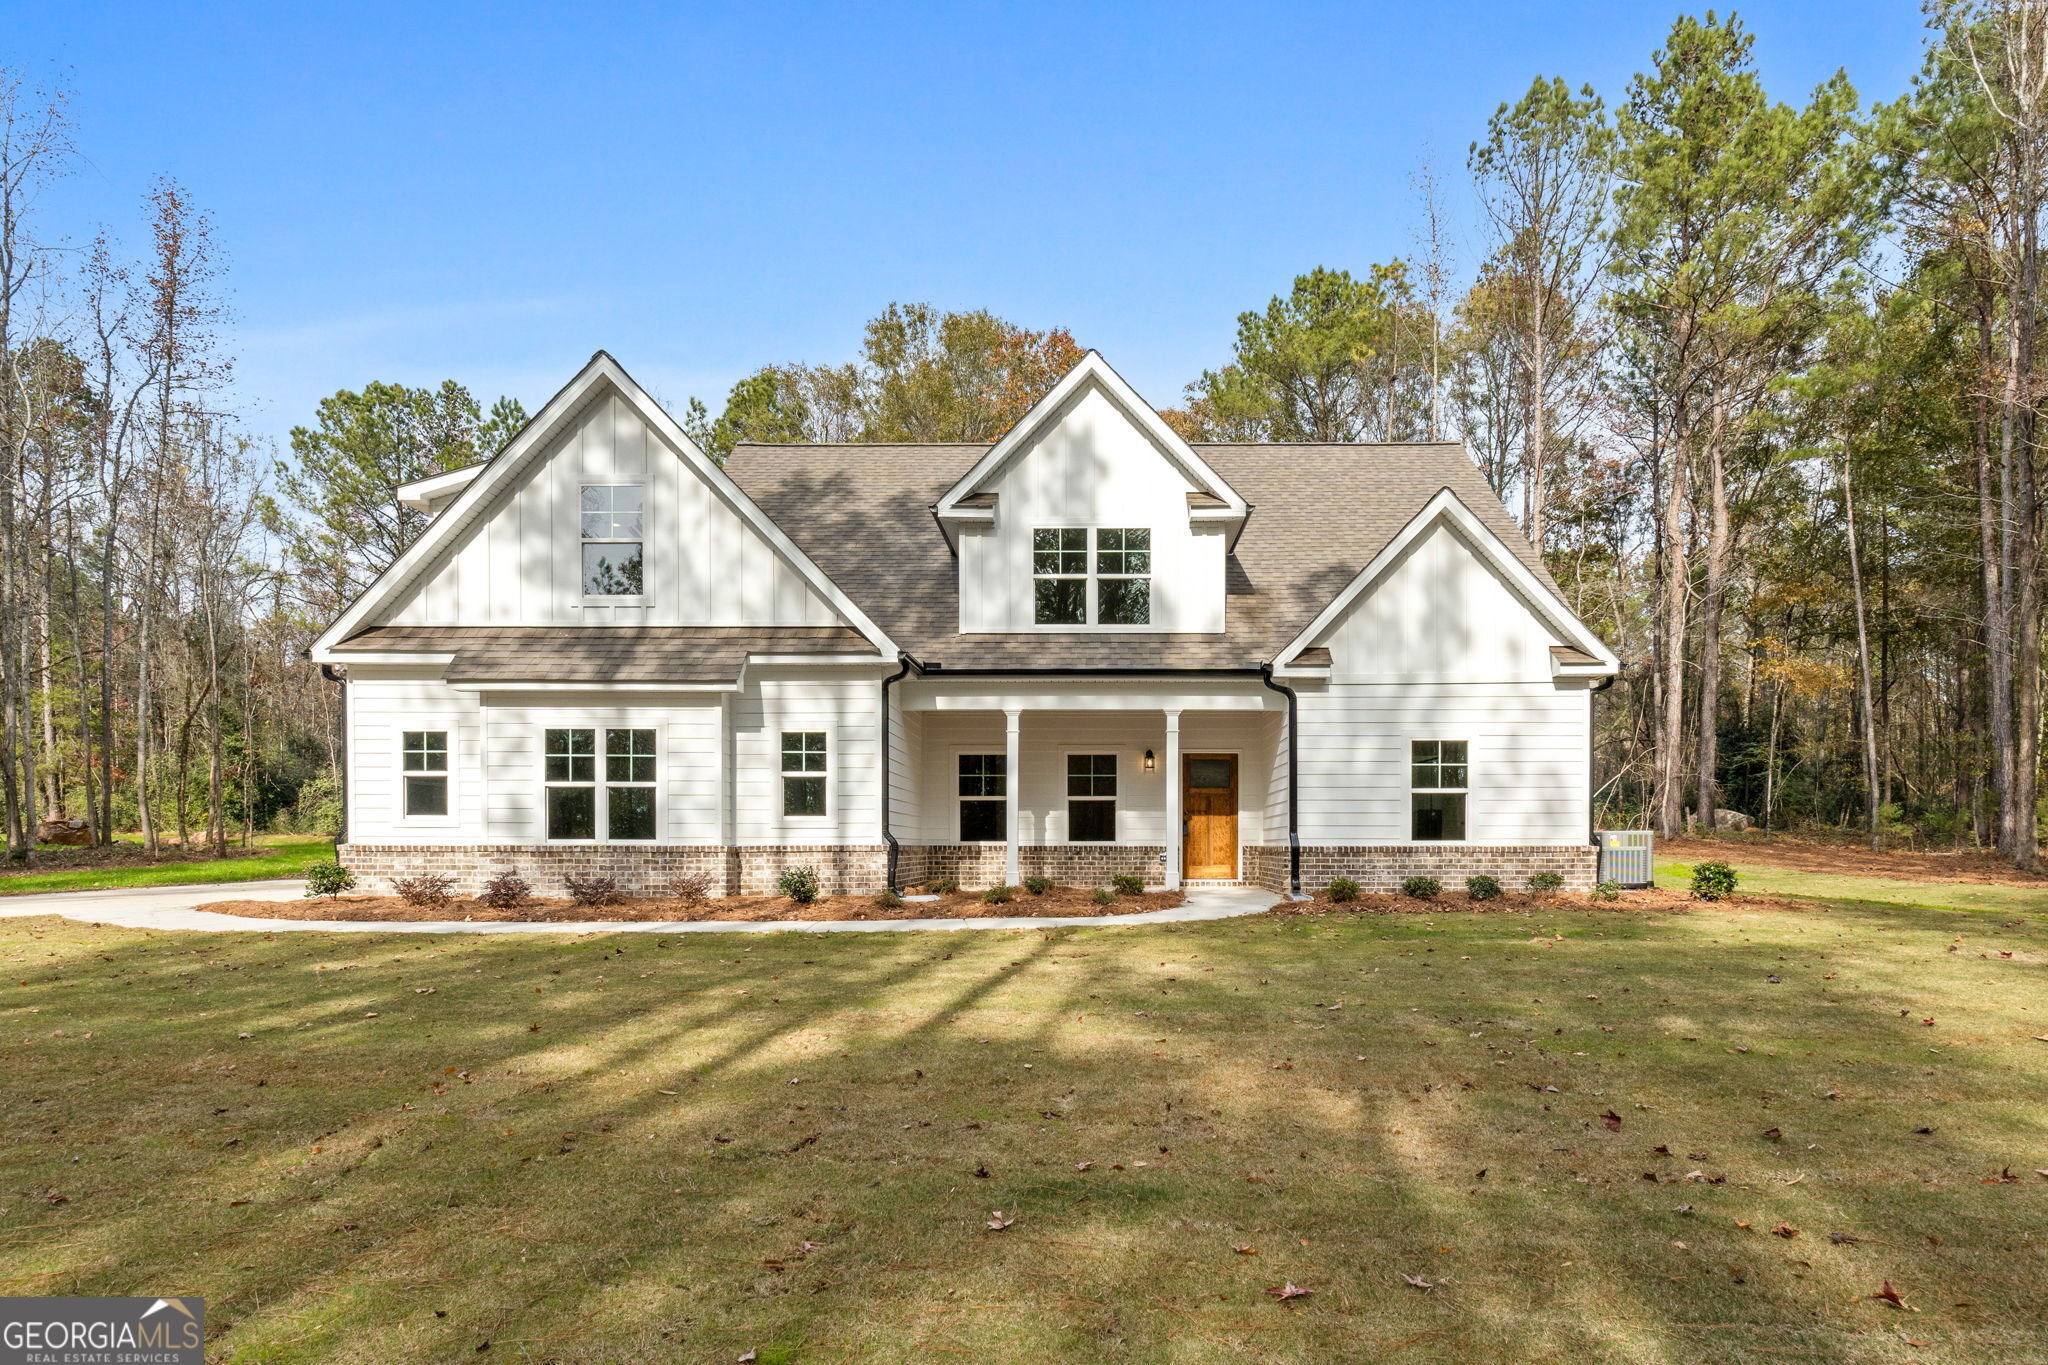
(423, 758)
(984, 798)
(615, 802)
(804, 770)
(1091, 798)
(612, 522)
(1091, 577)
(1437, 773)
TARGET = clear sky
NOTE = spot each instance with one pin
(491, 192)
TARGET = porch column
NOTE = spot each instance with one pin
(1173, 797)
(1012, 871)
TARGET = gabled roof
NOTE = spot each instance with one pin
(533, 440)
(1092, 371)
(1318, 516)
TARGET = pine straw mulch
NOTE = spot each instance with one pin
(1806, 854)
(1651, 901)
(1063, 901)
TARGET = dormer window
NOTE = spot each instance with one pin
(612, 520)
(1091, 576)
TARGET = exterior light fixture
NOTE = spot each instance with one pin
(1150, 762)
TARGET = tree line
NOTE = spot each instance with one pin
(1758, 377)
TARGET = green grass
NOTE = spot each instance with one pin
(283, 855)
(1763, 879)
(636, 1148)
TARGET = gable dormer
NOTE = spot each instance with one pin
(1091, 515)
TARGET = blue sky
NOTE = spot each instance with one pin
(491, 192)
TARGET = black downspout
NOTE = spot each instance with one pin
(1592, 749)
(1293, 787)
(340, 749)
(888, 834)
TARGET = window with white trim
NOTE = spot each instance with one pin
(1091, 798)
(984, 798)
(1437, 776)
(612, 521)
(615, 803)
(805, 771)
(1091, 576)
(423, 759)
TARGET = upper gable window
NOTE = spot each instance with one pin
(611, 533)
(1098, 577)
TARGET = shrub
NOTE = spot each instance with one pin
(800, 884)
(1128, 884)
(997, 895)
(1482, 887)
(328, 879)
(503, 893)
(1607, 891)
(1038, 886)
(1421, 888)
(942, 886)
(1543, 883)
(426, 889)
(1341, 889)
(592, 890)
(1711, 881)
(689, 888)
(1103, 896)
(888, 898)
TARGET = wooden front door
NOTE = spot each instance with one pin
(1209, 805)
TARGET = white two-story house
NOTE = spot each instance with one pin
(1086, 649)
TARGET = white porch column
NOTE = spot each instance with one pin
(1012, 870)
(1173, 798)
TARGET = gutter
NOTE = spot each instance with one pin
(889, 834)
(934, 667)
(327, 671)
(1293, 782)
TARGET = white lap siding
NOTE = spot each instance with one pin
(1526, 750)
(848, 711)
(380, 711)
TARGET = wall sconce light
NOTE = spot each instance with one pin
(1150, 762)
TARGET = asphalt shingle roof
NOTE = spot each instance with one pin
(1319, 515)
(605, 654)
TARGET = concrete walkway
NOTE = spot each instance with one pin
(170, 907)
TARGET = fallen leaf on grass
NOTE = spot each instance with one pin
(996, 1221)
(1889, 1295)
(1612, 1120)
(1419, 1282)
(1773, 1134)
(1246, 1250)
(1785, 1230)
(1288, 1290)
(1841, 1239)
(748, 1359)
(1084, 1165)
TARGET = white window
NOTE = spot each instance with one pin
(612, 521)
(423, 759)
(1437, 773)
(804, 772)
(1091, 577)
(1091, 798)
(615, 803)
(984, 798)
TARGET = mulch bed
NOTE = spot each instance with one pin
(1843, 856)
(1060, 901)
(1512, 903)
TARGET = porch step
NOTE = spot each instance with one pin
(1212, 881)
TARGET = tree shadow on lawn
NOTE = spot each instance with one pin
(813, 1186)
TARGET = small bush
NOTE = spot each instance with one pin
(1711, 881)
(942, 886)
(427, 889)
(1038, 886)
(1482, 887)
(1543, 883)
(689, 888)
(1421, 888)
(504, 893)
(328, 879)
(1607, 891)
(1341, 889)
(888, 898)
(800, 884)
(1128, 884)
(997, 895)
(1103, 896)
(592, 890)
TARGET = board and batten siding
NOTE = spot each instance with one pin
(520, 563)
(1442, 647)
(1091, 467)
(848, 711)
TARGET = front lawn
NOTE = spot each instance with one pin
(1573, 1135)
(93, 869)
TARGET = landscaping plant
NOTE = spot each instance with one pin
(1712, 881)
(800, 884)
(1102, 895)
(1481, 887)
(1421, 888)
(689, 888)
(593, 890)
(1341, 889)
(504, 892)
(328, 878)
(1038, 886)
(1128, 884)
(996, 895)
(1543, 883)
(888, 898)
(426, 889)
